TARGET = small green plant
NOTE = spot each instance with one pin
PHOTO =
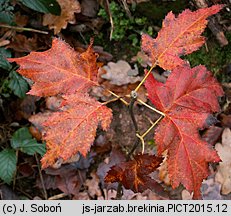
(43, 6)
(6, 12)
(11, 82)
(214, 58)
(21, 141)
(124, 26)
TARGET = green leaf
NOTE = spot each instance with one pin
(8, 162)
(6, 14)
(22, 140)
(3, 62)
(43, 6)
(18, 84)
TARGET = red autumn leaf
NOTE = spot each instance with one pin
(178, 36)
(73, 128)
(59, 70)
(186, 99)
(134, 174)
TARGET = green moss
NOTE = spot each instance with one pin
(215, 58)
(124, 26)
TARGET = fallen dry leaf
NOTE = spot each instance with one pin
(142, 58)
(212, 134)
(21, 43)
(120, 73)
(225, 120)
(20, 19)
(93, 186)
(223, 174)
(89, 8)
(116, 157)
(24, 108)
(68, 10)
(163, 170)
(211, 189)
(67, 178)
(134, 174)
(186, 195)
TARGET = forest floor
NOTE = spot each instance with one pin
(23, 30)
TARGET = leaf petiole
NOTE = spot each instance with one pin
(150, 107)
(143, 80)
(142, 142)
(152, 126)
(117, 96)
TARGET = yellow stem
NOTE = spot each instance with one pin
(143, 80)
(125, 102)
(142, 142)
(110, 101)
(152, 126)
(150, 107)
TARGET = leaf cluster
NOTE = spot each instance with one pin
(21, 141)
(185, 104)
(125, 27)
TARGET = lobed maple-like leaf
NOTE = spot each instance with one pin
(59, 70)
(177, 37)
(134, 174)
(186, 99)
(73, 128)
(64, 72)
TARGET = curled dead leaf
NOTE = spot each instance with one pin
(68, 10)
(223, 174)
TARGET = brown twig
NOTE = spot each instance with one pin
(41, 177)
(58, 196)
(110, 18)
(17, 28)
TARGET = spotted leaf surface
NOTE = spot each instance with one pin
(178, 36)
(59, 70)
(134, 174)
(187, 99)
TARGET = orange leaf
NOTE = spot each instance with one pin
(59, 70)
(73, 128)
(64, 72)
(178, 36)
(187, 98)
(134, 174)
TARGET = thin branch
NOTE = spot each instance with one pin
(119, 193)
(131, 105)
(41, 177)
(58, 196)
(110, 101)
(117, 96)
(150, 107)
(152, 126)
(143, 80)
(126, 8)
(17, 28)
(110, 18)
(142, 142)
(137, 142)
